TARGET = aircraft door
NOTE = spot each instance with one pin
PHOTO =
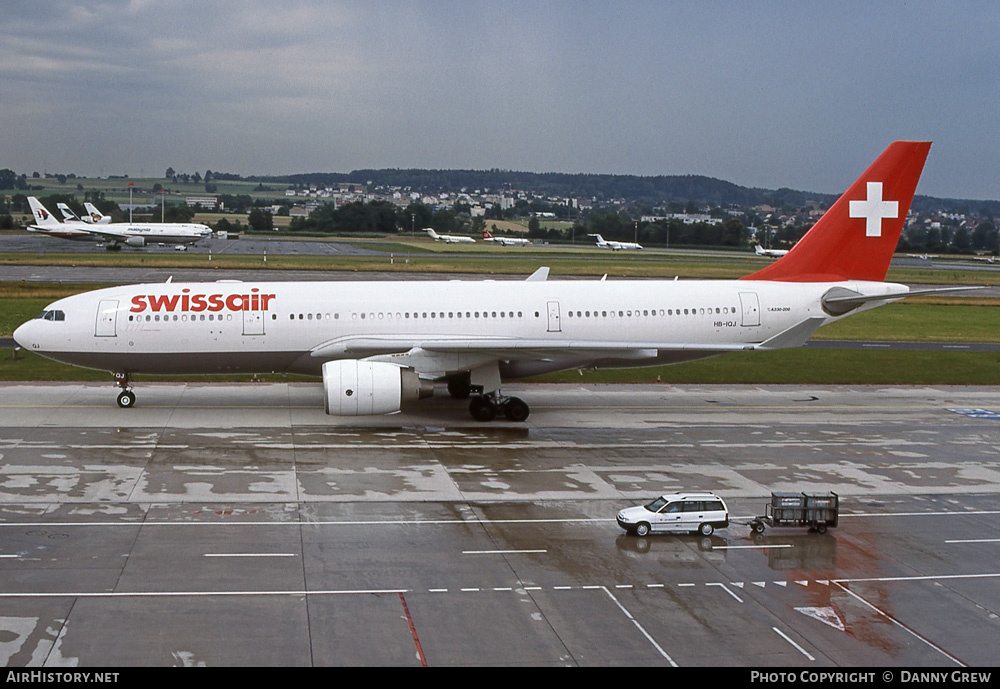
(751, 308)
(555, 325)
(253, 322)
(107, 318)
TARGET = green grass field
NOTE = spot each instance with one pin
(421, 256)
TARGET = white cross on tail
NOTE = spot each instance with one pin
(874, 209)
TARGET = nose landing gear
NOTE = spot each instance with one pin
(126, 399)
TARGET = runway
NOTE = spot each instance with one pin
(223, 524)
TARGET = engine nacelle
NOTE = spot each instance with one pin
(136, 241)
(366, 388)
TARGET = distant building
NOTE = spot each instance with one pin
(203, 201)
(686, 218)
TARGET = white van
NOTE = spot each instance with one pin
(702, 513)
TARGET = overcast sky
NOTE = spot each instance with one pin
(764, 94)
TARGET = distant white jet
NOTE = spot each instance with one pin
(449, 238)
(505, 241)
(615, 246)
(773, 253)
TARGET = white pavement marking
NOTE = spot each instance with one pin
(560, 587)
(975, 540)
(251, 555)
(901, 625)
(726, 589)
(797, 647)
(751, 547)
(640, 628)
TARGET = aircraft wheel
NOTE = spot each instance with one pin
(482, 409)
(126, 400)
(516, 409)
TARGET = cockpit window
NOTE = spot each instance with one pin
(52, 315)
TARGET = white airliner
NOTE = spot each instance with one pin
(115, 234)
(52, 227)
(449, 238)
(773, 253)
(505, 241)
(615, 246)
(379, 345)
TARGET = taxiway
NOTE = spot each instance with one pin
(238, 525)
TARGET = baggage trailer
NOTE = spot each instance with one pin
(818, 511)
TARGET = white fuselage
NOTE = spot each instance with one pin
(508, 241)
(297, 326)
(168, 233)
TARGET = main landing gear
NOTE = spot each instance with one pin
(126, 400)
(485, 407)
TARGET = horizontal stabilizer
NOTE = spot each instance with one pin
(840, 300)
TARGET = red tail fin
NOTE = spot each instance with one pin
(856, 238)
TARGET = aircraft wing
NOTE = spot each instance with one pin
(104, 231)
(510, 348)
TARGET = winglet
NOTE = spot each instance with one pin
(856, 238)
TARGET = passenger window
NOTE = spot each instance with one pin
(694, 506)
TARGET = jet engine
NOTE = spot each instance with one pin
(136, 241)
(365, 388)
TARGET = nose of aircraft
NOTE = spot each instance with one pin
(22, 335)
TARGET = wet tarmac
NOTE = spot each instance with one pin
(238, 525)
